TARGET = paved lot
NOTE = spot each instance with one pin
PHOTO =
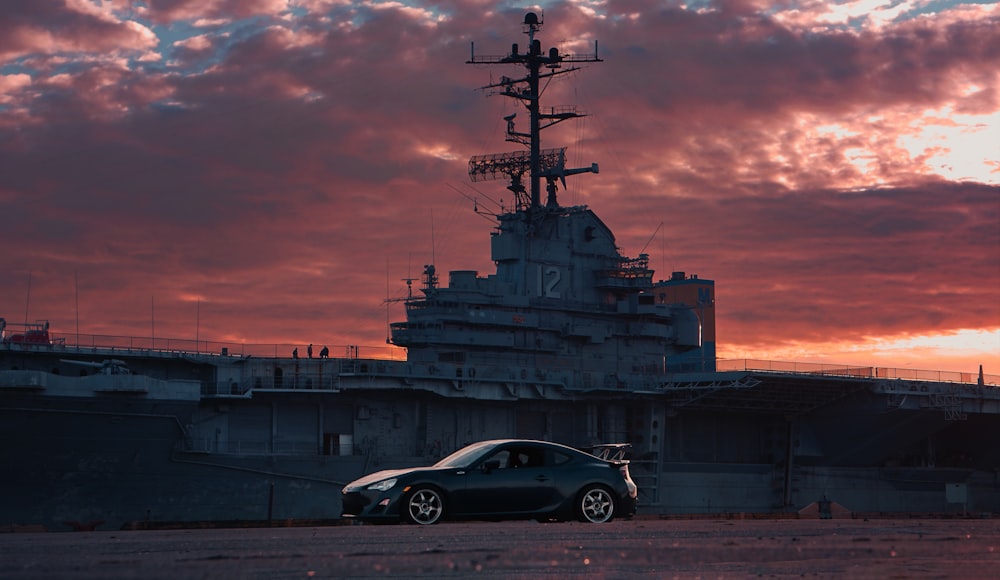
(643, 548)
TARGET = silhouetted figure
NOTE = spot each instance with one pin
(309, 351)
(324, 353)
(295, 353)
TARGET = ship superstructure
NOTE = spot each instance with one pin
(569, 341)
(563, 299)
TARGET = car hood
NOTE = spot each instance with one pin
(381, 475)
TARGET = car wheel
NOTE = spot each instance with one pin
(596, 505)
(424, 506)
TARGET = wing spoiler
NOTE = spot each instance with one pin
(613, 452)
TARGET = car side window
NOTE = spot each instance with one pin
(502, 456)
(527, 457)
(560, 458)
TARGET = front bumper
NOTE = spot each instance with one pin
(369, 505)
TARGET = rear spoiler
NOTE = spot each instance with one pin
(613, 452)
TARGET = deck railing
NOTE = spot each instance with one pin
(110, 344)
(854, 371)
(171, 347)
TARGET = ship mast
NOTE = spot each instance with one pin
(539, 163)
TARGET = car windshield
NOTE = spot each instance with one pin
(466, 455)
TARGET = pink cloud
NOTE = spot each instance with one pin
(167, 11)
(35, 27)
(11, 83)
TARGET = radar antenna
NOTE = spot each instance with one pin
(536, 162)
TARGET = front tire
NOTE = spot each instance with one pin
(596, 505)
(424, 506)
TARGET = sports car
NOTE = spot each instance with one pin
(499, 479)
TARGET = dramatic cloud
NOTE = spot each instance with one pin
(270, 171)
(40, 28)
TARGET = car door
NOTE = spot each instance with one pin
(534, 485)
(477, 493)
(513, 480)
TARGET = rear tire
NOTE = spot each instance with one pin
(596, 505)
(424, 506)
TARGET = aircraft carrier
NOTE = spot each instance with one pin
(568, 340)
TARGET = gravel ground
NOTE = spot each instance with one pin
(638, 548)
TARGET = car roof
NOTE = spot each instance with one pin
(498, 442)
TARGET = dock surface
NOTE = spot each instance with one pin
(643, 548)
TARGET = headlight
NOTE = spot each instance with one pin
(383, 485)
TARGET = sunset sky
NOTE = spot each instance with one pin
(269, 171)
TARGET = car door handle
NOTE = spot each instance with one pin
(542, 478)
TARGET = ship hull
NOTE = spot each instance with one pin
(83, 464)
(281, 454)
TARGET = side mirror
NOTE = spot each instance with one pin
(490, 465)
